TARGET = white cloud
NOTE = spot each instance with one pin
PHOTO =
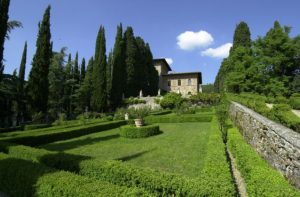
(219, 52)
(190, 40)
(169, 60)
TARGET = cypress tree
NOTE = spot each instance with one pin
(22, 70)
(68, 85)
(4, 6)
(242, 36)
(132, 53)
(108, 77)
(118, 81)
(21, 93)
(38, 78)
(152, 79)
(141, 66)
(85, 90)
(82, 70)
(76, 69)
(99, 96)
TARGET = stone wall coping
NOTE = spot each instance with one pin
(288, 134)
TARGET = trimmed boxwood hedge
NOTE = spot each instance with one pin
(131, 131)
(214, 180)
(11, 129)
(39, 138)
(178, 118)
(36, 126)
(25, 178)
(261, 179)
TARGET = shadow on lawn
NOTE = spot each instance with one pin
(77, 143)
(133, 156)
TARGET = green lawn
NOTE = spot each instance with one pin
(181, 147)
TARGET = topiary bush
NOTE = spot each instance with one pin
(171, 100)
(130, 131)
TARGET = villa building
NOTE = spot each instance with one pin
(186, 83)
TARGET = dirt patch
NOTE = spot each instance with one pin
(269, 105)
(296, 112)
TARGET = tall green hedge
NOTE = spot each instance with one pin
(261, 179)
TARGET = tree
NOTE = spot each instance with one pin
(131, 59)
(76, 69)
(109, 77)
(85, 90)
(56, 83)
(21, 82)
(68, 86)
(82, 70)
(153, 78)
(38, 78)
(242, 36)
(99, 96)
(4, 6)
(118, 81)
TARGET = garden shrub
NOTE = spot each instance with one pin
(133, 101)
(260, 178)
(205, 99)
(130, 131)
(25, 178)
(178, 118)
(162, 112)
(280, 99)
(11, 129)
(171, 100)
(36, 126)
(185, 108)
(39, 138)
(294, 101)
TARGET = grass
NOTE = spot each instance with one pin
(179, 149)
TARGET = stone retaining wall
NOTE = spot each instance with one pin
(279, 145)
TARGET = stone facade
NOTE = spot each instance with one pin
(184, 83)
(279, 145)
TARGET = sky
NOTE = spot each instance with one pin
(194, 35)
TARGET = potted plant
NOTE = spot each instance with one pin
(139, 115)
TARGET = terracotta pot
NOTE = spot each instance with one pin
(139, 122)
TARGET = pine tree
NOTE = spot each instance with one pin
(21, 93)
(118, 81)
(4, 6)
(82, 70)
(99, 96)
(132, 53)
(38, 78)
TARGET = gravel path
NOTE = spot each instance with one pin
(239, 180)
(296, 112)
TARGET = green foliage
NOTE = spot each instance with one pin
(82, 70)
(99, 93)
(222, 111)
(294, 101)
(140, 112)
(132, 101)
(242, 36)
(118, 81)
(208, 88)
(261, 179)
(284, 115)
(185, 108)
(205, 99)
(130, 131)
(171, 100)
(11, 129)
(178, 118)
(38, 138)
(25, 178)
(4, 7)
(38, 84)
(21, 86)
(36, 126)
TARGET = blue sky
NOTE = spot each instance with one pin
(194, 34)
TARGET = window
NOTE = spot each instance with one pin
(169, 83)
(179, 82)
(189, 82)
